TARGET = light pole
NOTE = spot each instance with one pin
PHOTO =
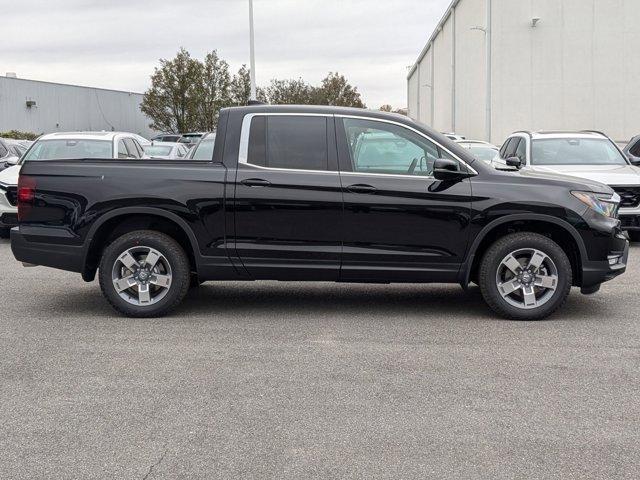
(252, 54)
(488, 86)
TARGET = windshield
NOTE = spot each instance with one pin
(69, 149)
(483, 153)
(157, 150)
(575, 151)
(204, 150)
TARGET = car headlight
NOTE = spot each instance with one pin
(602, 203)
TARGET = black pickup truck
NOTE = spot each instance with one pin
(324, 194)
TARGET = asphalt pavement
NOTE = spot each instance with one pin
(315, 380)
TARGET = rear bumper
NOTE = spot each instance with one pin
(597, 272)
(61, 256)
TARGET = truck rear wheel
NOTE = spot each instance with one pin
(525, 276)
(144, 274)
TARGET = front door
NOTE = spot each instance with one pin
(400, 224)
(288, 203)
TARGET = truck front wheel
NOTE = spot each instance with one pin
(525, 276)
(144, 273)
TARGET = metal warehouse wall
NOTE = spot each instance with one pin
(575, 70)
(68, 107)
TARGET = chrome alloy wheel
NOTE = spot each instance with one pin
(527, 278)
(141, 275)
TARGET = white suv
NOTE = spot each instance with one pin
(588, 154)
(63, 146)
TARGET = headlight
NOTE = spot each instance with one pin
(602, 203)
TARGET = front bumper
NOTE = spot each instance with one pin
(629, 218)
(629, 222)
(8, 212)
(597, 272)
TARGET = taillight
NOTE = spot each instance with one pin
(26, 195)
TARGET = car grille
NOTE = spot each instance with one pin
(629, 196)
(10, 219)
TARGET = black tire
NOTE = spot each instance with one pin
(5, 232)
(174, 255)
(634, 235)
(492, 260)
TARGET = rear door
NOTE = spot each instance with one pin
(400, 224)
(288, 203)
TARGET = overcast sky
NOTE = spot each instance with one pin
(117, 43)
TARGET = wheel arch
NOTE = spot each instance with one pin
(558, 230)
(122, 220)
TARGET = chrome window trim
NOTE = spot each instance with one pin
(402, 125)
(243, 152)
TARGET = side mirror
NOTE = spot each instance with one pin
(514, 162)
(445, 169)
(634, 160)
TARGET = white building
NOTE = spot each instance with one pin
(45, 107)
(496, 66)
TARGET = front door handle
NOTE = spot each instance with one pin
(362, 189)
(255, 182)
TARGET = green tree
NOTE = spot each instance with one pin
(213, 91)
(337, 91)
(172, 101)
(290, 92)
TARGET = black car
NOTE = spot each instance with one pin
(323, 194)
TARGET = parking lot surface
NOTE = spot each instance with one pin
(306, 380)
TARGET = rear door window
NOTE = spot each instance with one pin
(289, 142)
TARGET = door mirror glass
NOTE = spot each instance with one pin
(446, 169)
(514, 162)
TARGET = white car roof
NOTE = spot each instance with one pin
(164, 144)
(553, 134)
(476, 142)
(83, 135)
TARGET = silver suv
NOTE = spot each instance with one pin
(587, 154)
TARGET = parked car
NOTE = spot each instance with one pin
(203, 150)
(8, 154)
(314, 193)
(166, 137)
(632, 150)
(167, 150)
(16, 147)
(481, 150)
(190, 139)
(56, 146)
(454, 136)
(141, 140)
(590, 155)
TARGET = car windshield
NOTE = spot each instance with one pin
(204, 150)
(482, 152)
(575, 151)
(157, 150)
(69, 149)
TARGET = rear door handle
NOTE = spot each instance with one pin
(255, 182)
(362, 189)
